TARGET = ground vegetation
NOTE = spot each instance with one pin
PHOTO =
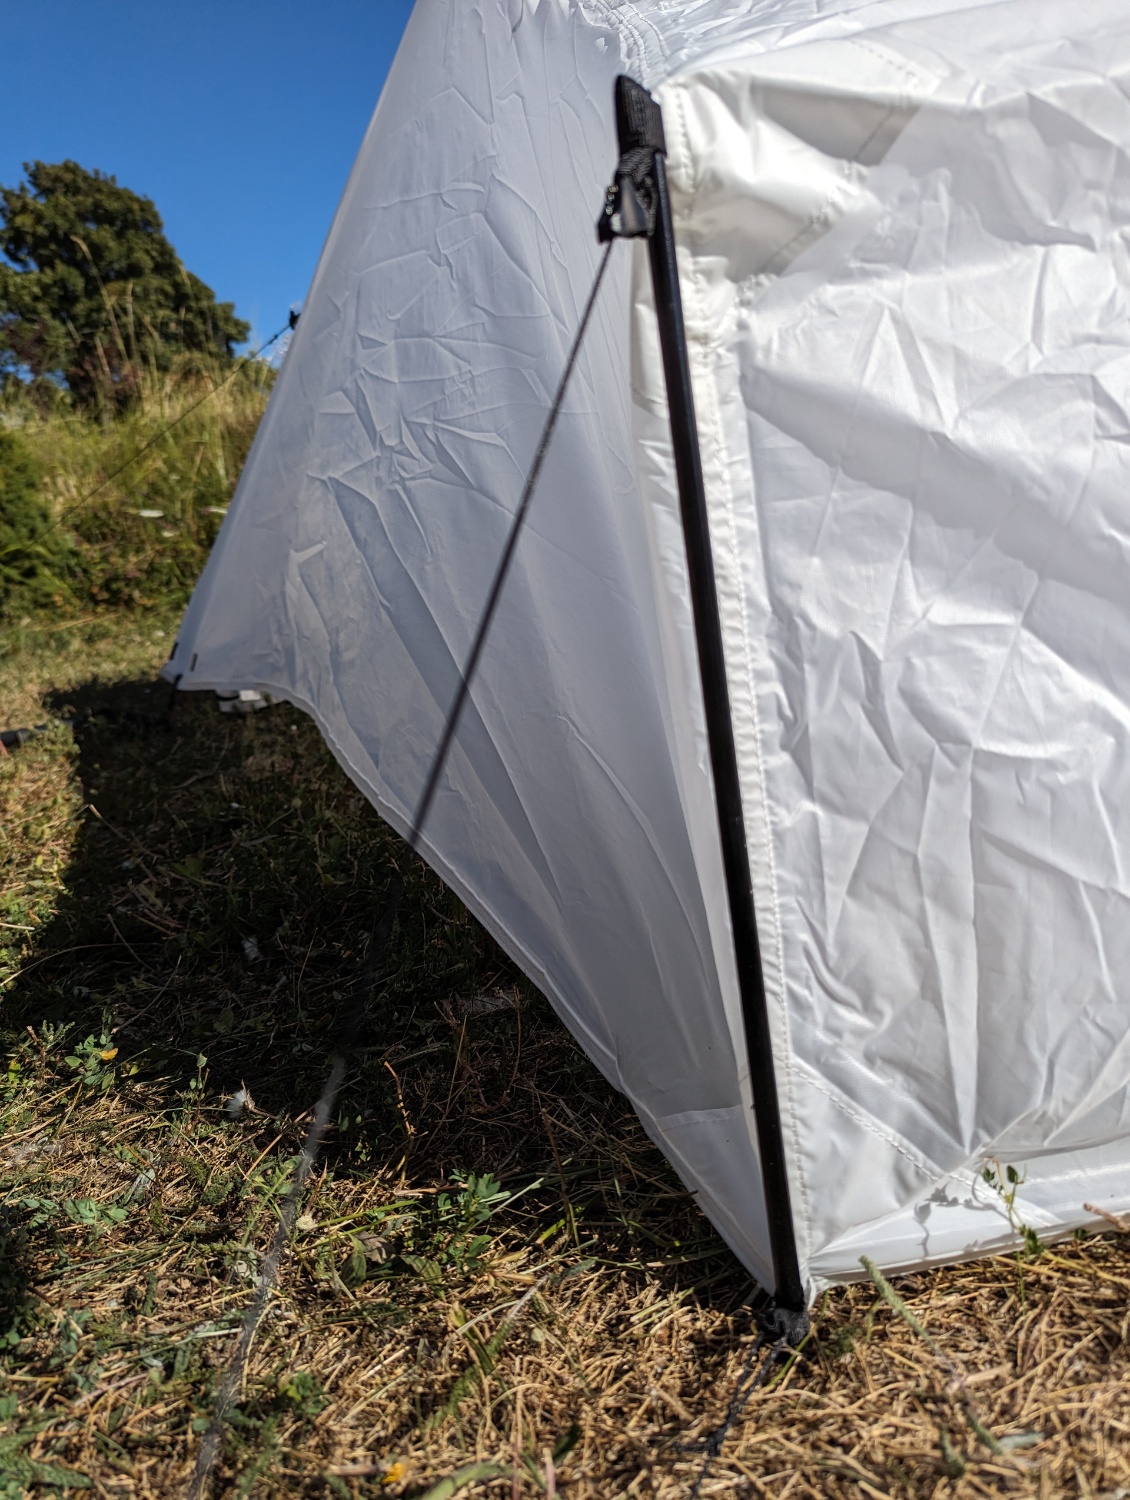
(120, 514)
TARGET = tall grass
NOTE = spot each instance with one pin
(127, 509)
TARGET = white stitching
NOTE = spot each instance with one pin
(929, 1169)
(660, 49)
(617, 18)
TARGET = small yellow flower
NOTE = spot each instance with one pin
(109, 1054)
(394, 1473)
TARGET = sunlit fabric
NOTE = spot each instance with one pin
(905, 263)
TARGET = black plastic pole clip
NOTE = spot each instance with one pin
(630, 202)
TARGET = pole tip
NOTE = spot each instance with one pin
(639, 120)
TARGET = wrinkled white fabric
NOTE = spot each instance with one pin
(902, 231)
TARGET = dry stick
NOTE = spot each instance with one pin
(1120, 1224)
(233, 1378)
(958, 1383)
(210, 1448)
(409, 1128)
(129, 949)
(262, 1154)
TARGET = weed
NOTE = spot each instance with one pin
(18, 1472)
(77, 534)
(842, 1341)
(92, 1062)
(92, 1215)
(301, 1392)
(1006, 1182)
(33, 556)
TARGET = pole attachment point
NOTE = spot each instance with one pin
(630, 203)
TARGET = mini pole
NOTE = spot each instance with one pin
(637, 206)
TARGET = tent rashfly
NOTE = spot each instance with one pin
(904, 269)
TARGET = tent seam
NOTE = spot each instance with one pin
(929, 1169)
(630, 25)
(843, 189)
(797, 1177)
(622, 27)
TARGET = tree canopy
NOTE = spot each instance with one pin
(92, 292)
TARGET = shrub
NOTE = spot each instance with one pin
(33, 552)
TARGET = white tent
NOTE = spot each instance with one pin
(904, 241)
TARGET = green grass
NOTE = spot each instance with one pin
(128, 507)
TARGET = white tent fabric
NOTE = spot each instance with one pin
(905, 261)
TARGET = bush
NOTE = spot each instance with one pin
(33, 553)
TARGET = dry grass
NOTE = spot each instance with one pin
(494, 1272)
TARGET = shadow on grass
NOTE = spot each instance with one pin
(216, 918)
(15, 1269)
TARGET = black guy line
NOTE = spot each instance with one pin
(233, 1377)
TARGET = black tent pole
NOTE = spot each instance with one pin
(639, 205)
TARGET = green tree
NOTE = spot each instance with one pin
(93, 293)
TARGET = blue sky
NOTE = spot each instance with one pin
(239, 118)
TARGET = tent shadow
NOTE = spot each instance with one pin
(16, 1273)
(214, 923)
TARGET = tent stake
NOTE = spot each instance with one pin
(639, 206)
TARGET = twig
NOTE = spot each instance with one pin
(233, 1377)
(124, 943)
(958, 1383)
(1112, 1219)
(263, 1153)
(409, 1129)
